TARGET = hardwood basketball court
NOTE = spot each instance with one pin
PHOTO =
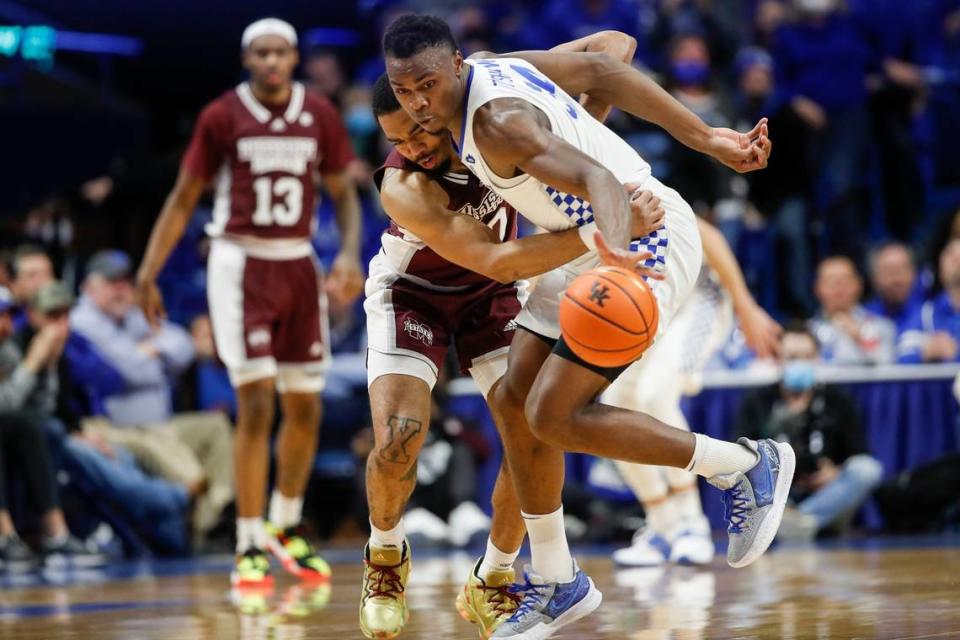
(900, 588)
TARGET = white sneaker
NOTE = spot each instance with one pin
(465, 522)
(424, 527)
(693, 543)
(648, 549)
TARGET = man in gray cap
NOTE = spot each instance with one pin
(29, 384)
(190, 449)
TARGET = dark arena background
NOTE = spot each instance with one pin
(126, 438)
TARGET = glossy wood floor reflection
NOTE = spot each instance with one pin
(890, 593)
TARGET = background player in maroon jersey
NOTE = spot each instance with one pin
(266, 142)
(418, 304)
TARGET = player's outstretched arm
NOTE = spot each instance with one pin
(346, 274)
(418, 204)
(614, 82)
(762, 333)
(616, 44)
(511, 135)
(167, 231)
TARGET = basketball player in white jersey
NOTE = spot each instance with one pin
(676, 528)
(533, 144)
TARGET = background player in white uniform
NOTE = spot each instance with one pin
(533, 144)
(676, 528)
(266, 142)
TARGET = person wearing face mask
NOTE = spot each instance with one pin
(704, 183)
(835, 473)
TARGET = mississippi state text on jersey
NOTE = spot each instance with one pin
(417, 262)
(264, 159)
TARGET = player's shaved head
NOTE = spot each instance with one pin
(410, 34)
(425, 69)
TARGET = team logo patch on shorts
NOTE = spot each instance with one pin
(511, 325)
(259, 337)
(316, 349)
(418, 331)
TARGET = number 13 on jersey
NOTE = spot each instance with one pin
(285, 213)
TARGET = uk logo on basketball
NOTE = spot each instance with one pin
(418, 331)
(599, 293)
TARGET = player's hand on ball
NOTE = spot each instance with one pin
(742, 152)
(631, 260)
(345, 281)
(648, 212)
(150, 300)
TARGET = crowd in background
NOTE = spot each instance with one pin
(854, 228)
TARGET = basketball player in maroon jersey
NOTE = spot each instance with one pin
(418, 304)
(265, 143)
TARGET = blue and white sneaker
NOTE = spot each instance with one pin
(547, 607)
(647, 549)
(754, 501)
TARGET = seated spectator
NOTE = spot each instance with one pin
(210, 389)
(893, 276)
(28, 389)
(191, 449)
(848, 333)
(932, 333)
(32, 268)
(834, 474)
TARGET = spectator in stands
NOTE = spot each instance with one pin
(324, 74)
(932, 333)
(213, 391)
(704, 182)
(822, 61)
(192, 449)
(781, 194)
(893, 277)
(848, 333)
(32, 268)
(834, 474)
(564, 20)
(28, 388)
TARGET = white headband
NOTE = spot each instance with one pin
(269, 27)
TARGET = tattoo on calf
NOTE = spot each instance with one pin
(400, 431)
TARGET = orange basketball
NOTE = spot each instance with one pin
(609, 316)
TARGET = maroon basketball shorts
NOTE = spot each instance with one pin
(410, 326)
(268, 312)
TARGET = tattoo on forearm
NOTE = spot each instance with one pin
(400, 431)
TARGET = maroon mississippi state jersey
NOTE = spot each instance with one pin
(264, 159)
(410, 257)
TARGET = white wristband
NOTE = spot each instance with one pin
(586, 235)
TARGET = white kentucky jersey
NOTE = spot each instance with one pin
(543, 205)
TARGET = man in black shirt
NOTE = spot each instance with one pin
(835, 473)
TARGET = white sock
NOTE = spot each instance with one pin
(496, 560)
(549, 554)
(250, 533)
(686, 502)
(285, 512)
(385, 539)
(661, 516)
(717, 457)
